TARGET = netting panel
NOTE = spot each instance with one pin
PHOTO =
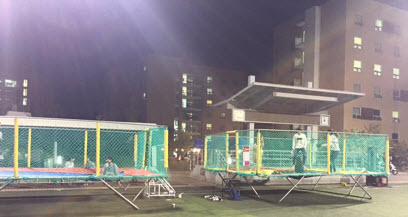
(349, 153)
(53, 147)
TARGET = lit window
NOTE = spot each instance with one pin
(184, 78)
(357, 42)
(25, 83)
(377, 70)
(209, 102)
(357, 66)
(395, 114)
(209, 79)
(396, 51)
(356, 112)
(24, 101)
(223, 115)
(10, 83)
(358, 20)
(209, 91)
(357, 88)
(24, 92)
(208, 126)
(378, 47)
(183, 127)
(377, 92)
(184, 91)
(378, 25)
(176, 125)
(396, 73)
(184, 103)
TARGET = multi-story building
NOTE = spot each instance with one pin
(354, 46)
(14, 94)
(180, 94)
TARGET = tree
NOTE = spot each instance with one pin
(183, 141)
(399, 149)
(373, 128)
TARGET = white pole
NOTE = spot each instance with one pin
(55, 153)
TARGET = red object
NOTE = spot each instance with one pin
(245, 156)
(127, 171)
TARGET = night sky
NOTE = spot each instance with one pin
(82, 56)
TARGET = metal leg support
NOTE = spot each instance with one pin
(5, 184)
(141, 191)
(287, 178)
(253, 189)
(359, 185)
(317, 183)
(120, 195)
(294, 186)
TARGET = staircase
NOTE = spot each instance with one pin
(159, 187)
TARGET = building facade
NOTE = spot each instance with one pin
(14, 93)
(180, 94)
(353, 46)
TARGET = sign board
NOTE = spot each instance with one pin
(245, 156)
(324, 120)
(238, 115)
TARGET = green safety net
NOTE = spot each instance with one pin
(52, 147)
(350, 154)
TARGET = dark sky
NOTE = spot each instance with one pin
(82, 55)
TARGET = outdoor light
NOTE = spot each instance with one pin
(182, 149)
(176, 149)
(194, 150)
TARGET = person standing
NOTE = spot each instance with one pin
(299, 144)
(334, 149)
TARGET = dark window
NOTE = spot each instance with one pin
(357, 88)
(395, 137)
(377, 115)
(396, 94)
(358, 20)
(377, 93)
(356, 112)
(378, 47)
(370, 114)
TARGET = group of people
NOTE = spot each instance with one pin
(299, 146)
(109, 169)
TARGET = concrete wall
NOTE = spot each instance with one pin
(332, 54)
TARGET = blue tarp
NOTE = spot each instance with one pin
(198, 143)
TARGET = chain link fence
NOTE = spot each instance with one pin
(39, 152)
(277, 153)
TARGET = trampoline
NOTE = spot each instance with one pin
(34, 150)
(268, 154)
(80, 173)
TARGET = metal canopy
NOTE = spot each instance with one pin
(284, 99)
